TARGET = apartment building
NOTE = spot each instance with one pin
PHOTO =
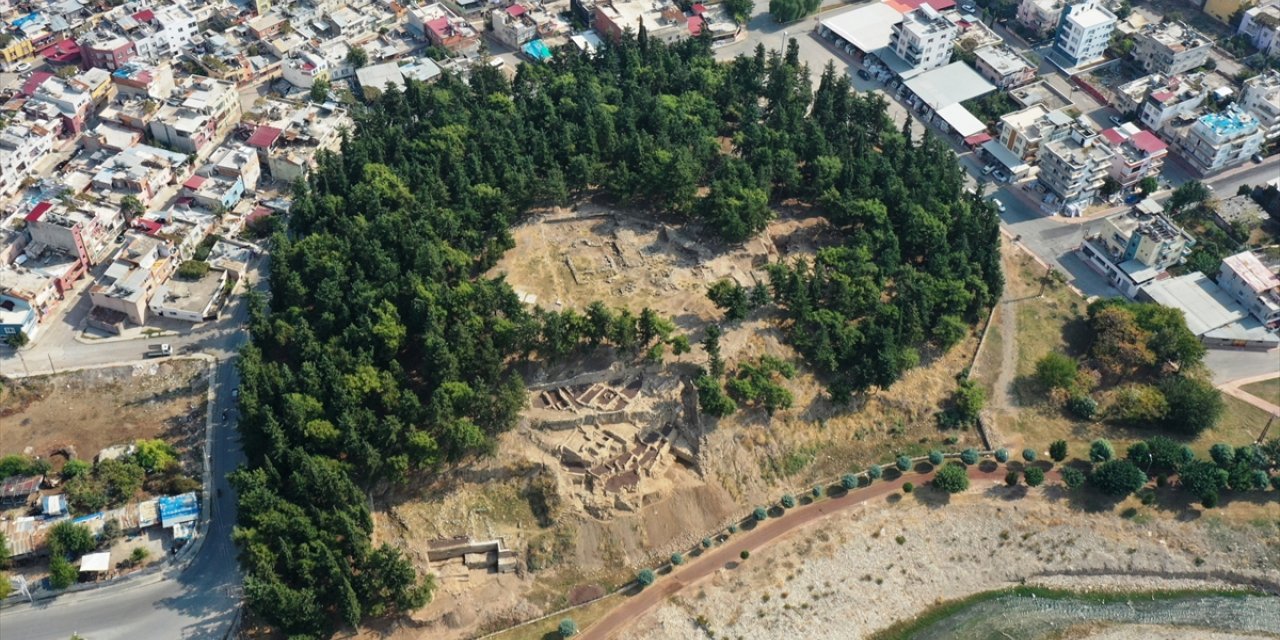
(1133, 249)
(1040, 16)
(72, 100)
(83, 233)
(924, 38)
(304, 68)
(512, 25)
(1170, 48)
(1262, 26)
(140, 171)
(198, 115)
(1083, 34)
(161, 33)
(1160, 100)
(142, 264)
(663, 20)
(1137, 154)
(1022, 132)
(106, 50)
(442, 27)
(1004, 67)
(1216, 141)
(1261, 97)
(287, 137)
(1253, 285)
(143, 80)
(1074, 166)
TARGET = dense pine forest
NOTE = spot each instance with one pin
(383, 351)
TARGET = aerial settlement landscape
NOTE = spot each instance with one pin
(619, 319)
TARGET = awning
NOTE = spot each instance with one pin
(977, 139)
(95, 562)
(1009, 159)
(960, 120)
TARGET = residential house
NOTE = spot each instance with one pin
(186, 229)
(1137, 154)
(265, 27)
(190, 300)
(512, 25)
(287, 136)
(1261, 25)
(1022, 132)
(16, 49)
(1039, 16)
(1253, 285)
(32, 292)
(305, 68)
(147, 81)
(16, 316)
(1159, 101)
(1170, 48)
(106, 50)
(1134, 249)
(84, 233)
(1223, 10)
(1216, 141)
(924, 38)
(198, 115)
(23, 144)
(662, 20)
(443, 28)
(1084, 33)
(97, 82)
(72, 99)
(160, 33)
(140, 171)
(1261, 98)
(110, 136)
(143, 263)
(1004, 67)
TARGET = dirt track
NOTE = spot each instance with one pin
(727, 555)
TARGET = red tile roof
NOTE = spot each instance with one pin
(698, 9)
(977, 138)
(38, 211)
(1148, 142)
(515, 10)
(1113, 136)
(29, 87)
(695, 25)
(194, 182)
(1161, 96)
(263, 137)
(61, 51)
(145, 15)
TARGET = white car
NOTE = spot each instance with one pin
(999, 205)
(22, 67)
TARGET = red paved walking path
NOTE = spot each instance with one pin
(761, 536)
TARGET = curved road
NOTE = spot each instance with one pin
(726, 556)
(198, 601)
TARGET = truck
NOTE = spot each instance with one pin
(158, 351)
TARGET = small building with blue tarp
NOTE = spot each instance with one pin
(536, 50)
(178, 510)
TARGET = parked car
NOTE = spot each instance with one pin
(1001, 176)
(999, 205)
(862, 73)
(986, 171)
(1117, 120)
(1256, 158)
(22, 67)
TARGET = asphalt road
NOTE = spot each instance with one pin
(202, 600)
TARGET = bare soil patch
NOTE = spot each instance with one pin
(96, 408)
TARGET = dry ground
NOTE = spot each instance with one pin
(853, 574)
(97, 408)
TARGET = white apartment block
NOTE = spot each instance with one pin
(1040, 16)
(924, 38)
(305, 68)
(1252, 284)
(1262, 26)
(1217, 141)
(1261, 97)
(1084, 32)
(513, 26)
(160, 34)
(1138, 153)
(22, 146)
(1073, 167)
(1022, 132)
(1170, 48)
(1159, 100)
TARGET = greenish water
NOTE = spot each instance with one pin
(1028, 618)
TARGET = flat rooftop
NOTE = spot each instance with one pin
(192, 296)
(949, 85)
(1204, 304)
(1250, 269)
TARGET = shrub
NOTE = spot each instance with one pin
(1194, 405)
(155, 455)
(1029, 454)
(677, 559)
(706, 543)
(1201, 477)
(1100, 450)
(1058, 450)
(1056, 371)
(138, 556)
(1223, 455)
(874, 472)
(1002, 455)
(760, 514)
(903, 463)
(75, 468)
(788, 501)
(745, 554)
(568, 628)
(1011, 478)
(1118, 478)
(969, 456)
(733, 528)
(62, 574)
(1139, 453)
(69, 539)
(1209, 500)
(645, 577)
(1082, 407)
(935, 457)
(1034, 476)
(1137, 404)
(849, 481)
(908, 487)
(1073, 478)
(193, 269)
(818, 491)
(952, 479)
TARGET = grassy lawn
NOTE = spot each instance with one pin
(549, 629)
(1268, 390)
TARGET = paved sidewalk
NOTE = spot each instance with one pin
(1233, 389)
